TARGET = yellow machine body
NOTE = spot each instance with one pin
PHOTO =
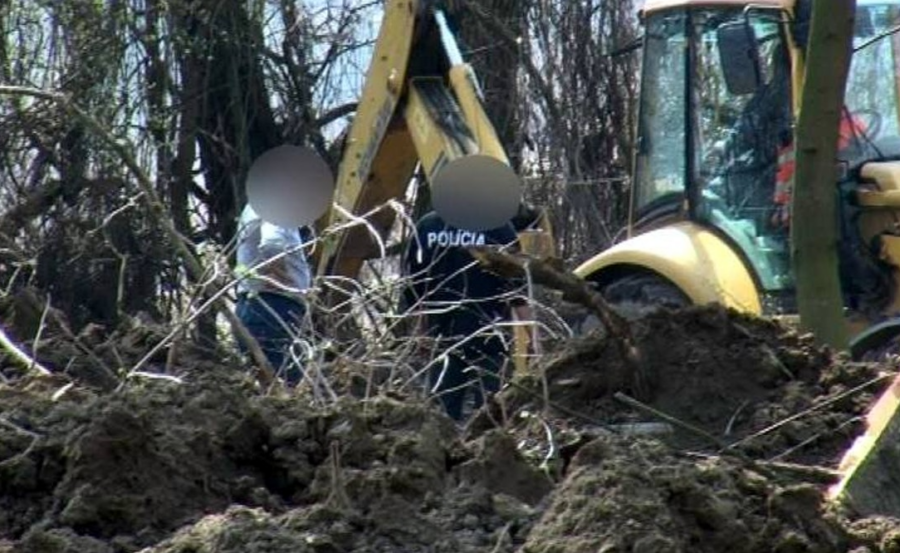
(696, 260)
(706, 265)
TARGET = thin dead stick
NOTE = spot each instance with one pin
(551, 442)
(63, 326)
(737, 455)
(20, 356)
(18, 429)
(154, 205)
(541, 272)
(813, 409)
(812, 439)
(108, 373)
(817, 474)
(40, 331)
(503, 538)
(730, 426)
(337, 496)
(35, 438)
(821, 475)
(213, 299)
(563, 409)
(631, 402)
(172, 355)
(574, 290)
(155, 376)
(19, 456)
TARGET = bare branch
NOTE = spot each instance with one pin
(153, 203)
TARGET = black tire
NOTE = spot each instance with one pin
(885, 353)
(878, 344)
(637, 294)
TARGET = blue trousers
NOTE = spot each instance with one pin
(266, 315)
(475, 366)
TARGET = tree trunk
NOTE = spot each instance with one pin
(236, 123)
(815, 229)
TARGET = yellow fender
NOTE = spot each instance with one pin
(705, 267)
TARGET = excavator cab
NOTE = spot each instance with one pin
(715, 109)
(714, 163)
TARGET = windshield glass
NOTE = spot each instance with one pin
(660, 168)
(871, 101)
(742, 133)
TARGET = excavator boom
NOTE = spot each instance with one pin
(420, 106)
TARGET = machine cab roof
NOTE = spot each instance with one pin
(651, 6)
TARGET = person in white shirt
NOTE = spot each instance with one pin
(274, 275)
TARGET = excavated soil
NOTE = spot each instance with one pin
(752, 418)
(750, 384)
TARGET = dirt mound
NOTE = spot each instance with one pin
(736, 380)
(637, 496)
(125, 470)
(209, 463)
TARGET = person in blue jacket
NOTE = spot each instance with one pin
(456, 301)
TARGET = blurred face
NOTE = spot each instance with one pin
(290, 186)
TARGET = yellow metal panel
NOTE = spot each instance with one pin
(401, 120)
(876, 199)
(379, 99)
(435, 143)
(879, 217)
(701, 264)
(890, 249)
(521, 342)
(890, 253)
(462, 80)
(866, 467)
(375, 115)
(538, 243)
(389, 177)
(885, 173)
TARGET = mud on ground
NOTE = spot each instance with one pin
(211, 464)
(728, 375)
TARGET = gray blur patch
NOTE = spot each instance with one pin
(476, 192)
(290, 186)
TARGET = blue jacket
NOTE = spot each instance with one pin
(446, 281)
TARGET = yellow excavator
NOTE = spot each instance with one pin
(720, 88)
(709, 219)
(421, 109)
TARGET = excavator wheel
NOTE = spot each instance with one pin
(879, 343)
(884, 353)
(635, 295)
(638, 294)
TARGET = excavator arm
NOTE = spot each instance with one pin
(420, 106)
